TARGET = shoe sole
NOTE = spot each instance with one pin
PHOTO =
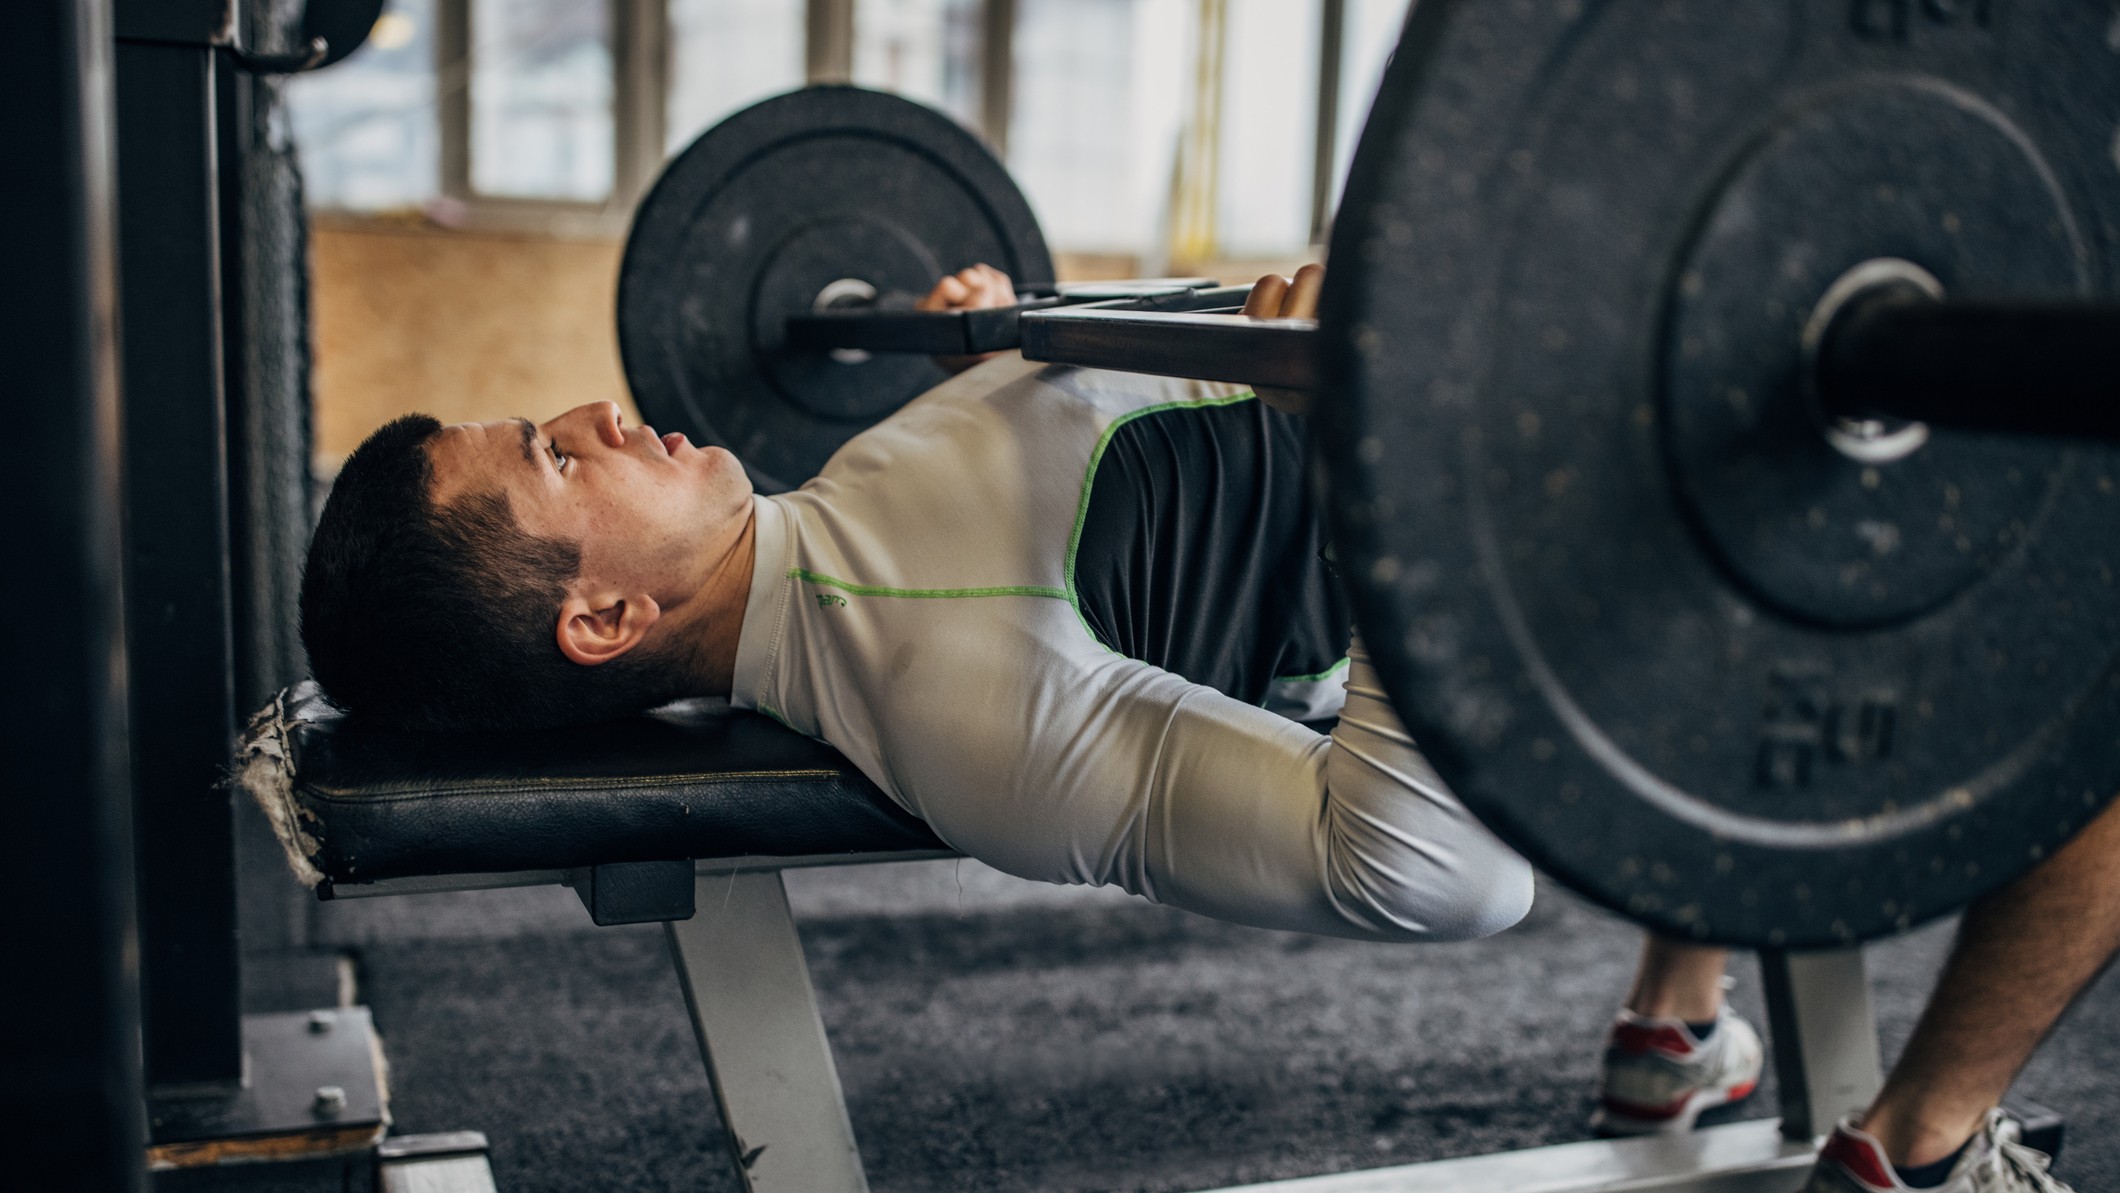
(1611, 1121)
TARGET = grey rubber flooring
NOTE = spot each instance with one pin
(997, 1036)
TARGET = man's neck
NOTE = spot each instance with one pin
(718, 628)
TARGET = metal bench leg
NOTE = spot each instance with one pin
(752, 1006)
(1825, 1037)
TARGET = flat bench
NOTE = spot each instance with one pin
(637, 816)
(356, 805)
(687, 815)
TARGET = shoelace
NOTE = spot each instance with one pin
(2009, 1166)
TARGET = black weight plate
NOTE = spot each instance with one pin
(750, 224)
(343, 24)
(1652, 626)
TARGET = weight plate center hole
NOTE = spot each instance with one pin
(845, 294)
(1867, 439)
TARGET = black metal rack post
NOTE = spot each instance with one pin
(177, 583)
(204, 258)
(70, 1082)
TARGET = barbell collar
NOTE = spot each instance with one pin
(2040, 368)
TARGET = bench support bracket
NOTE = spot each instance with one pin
(755, 1013)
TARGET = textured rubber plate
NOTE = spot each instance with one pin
(1652, 626)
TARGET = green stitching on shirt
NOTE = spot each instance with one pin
(1089, 478)
(1326, 674)
(1027, 590)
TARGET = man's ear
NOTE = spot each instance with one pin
(596, 627)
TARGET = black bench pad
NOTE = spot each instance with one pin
(695, 780)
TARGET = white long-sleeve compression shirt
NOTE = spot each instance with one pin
(918, 606)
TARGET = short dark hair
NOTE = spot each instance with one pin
(423, 616)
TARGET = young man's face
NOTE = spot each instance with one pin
(649, 512)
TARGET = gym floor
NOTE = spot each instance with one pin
(1000, 1035)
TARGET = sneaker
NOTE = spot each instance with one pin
(1994, 1162)
(1659, 1076)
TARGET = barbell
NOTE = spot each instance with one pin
(1718, 418)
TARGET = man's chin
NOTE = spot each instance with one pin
(729, 470)
(731, 504)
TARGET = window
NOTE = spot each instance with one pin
(1267, 126)
(1098, 103)
(1126, 122)
(726, 55)
(926, 50)
(541, 118)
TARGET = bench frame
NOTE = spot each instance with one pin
(739, 960)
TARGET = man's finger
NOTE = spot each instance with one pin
(1001, 290)
(949, 292)
(1301, 301)
(989, 288)
(1265, 299)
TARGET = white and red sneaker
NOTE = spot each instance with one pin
(1994, 1162)
(1659, 1076)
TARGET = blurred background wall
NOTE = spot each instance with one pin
(465, 325)
(471, 169)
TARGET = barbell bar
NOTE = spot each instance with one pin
(2048, 367)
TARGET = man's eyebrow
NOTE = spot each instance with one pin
(529, 441)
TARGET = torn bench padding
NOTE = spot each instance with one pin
(265, 768)
(356, 803)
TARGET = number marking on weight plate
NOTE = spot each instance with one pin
(1804, 723)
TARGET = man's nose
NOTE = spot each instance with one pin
(602, 419)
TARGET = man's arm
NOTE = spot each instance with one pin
(1081, 766)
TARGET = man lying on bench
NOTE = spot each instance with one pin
(1040, 607)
